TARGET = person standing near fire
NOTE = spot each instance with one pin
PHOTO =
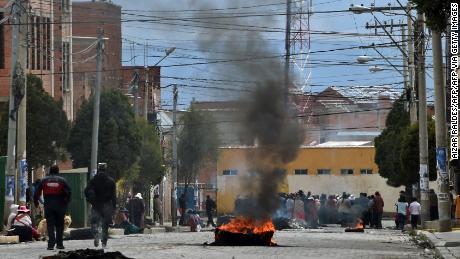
(210, 207)
(378, 209)
(56, 196)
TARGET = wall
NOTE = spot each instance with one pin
(354, 184)
(87, 17)
(311, 158)
(40, 32)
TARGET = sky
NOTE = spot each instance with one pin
(208, 50)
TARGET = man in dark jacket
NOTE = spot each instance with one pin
(210, 206)
(56, 195)
(101, 194)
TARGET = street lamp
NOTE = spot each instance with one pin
(364, 59)
(375, 69)
(359, 9)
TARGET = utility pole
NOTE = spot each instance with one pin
(407, 85)
(136, 96)
(288, 52)
(410, 43)
(422, 118)
(174, 162)
(97, 96)
(17, 95)
(412, 102)
(445, 223)
(146, 84)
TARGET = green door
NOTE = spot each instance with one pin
(77, 205)
(2, 187)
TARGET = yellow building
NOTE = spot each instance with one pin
(330, 168)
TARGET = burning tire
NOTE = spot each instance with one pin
(245, 232)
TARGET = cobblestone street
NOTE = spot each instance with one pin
(328, 242)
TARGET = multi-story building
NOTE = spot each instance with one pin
(49, 48)
(87, 18)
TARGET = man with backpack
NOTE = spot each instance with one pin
(101, 194)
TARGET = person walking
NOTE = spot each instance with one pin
(158, 209)
(378, 209)
(401, 207)
(414, 209)
(210, 206)
(56, 196)
(101, 194)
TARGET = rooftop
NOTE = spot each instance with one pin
(367, 94)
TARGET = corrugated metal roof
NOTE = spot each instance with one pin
(367, 94)
(345, 144)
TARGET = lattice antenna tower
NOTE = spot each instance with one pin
(301, 11)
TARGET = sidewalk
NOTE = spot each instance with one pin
(446, 244)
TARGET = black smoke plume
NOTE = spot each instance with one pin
(267, 122)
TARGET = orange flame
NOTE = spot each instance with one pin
(248, 225)
(359, 224)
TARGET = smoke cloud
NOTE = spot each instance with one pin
(267, 122)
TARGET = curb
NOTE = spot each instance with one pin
(440, 247)
(177, 229)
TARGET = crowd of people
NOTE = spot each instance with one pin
(54, 194)
(332, 209)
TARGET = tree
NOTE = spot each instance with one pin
(397, 148)
(410, 158)
(436, 13)
(198, 144)
(388, 144)
(47, 126)
(119, 140)
(150, 160)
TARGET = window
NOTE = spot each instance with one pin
(2, 51)
(346, 171)
(366, 171)
(230, 172)
(301, 171)
(324, 171)
(40, 43)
